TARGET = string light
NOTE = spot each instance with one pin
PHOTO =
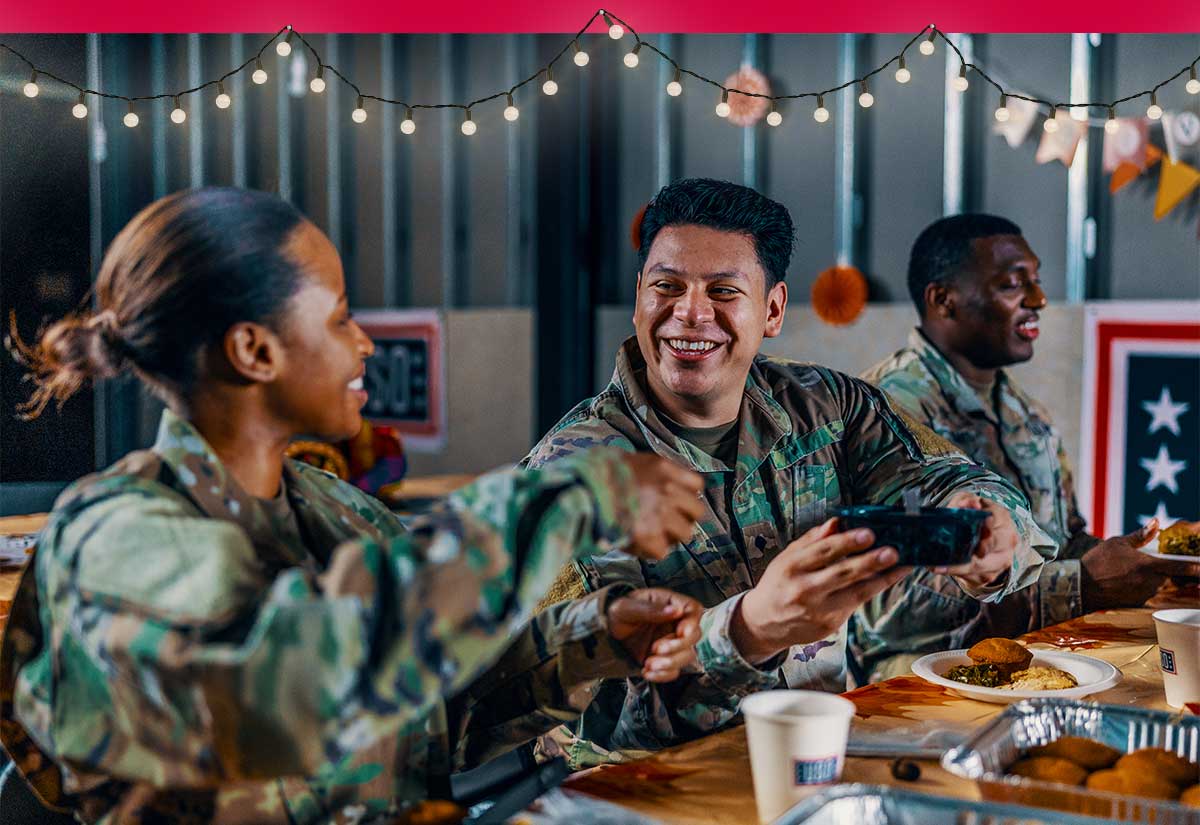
(1111, 125)
(581, 57)
(1002, 113)
(675, 87)
(961, 83)
(774, 118)
(723, 106)
(865, 98)
(927, 38)
(468, 125)
(1154, 111)
(615, 31)
(821, 114)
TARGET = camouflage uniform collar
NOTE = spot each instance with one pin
(960, 393)
(762, 422)
(206, 480)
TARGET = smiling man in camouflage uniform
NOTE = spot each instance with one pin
(780, 444)
(977, 289)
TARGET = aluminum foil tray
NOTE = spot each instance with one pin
(880, 805)
(987, 753)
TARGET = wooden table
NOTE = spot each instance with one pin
(707, 782)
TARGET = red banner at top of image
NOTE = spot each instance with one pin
(649, 16)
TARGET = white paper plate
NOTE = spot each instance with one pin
(1093, 676)
(1151, 549)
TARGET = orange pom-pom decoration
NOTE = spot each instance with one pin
(839, 295)
(635, 229)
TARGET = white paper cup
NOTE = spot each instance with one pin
(797, 741)
(1179, 654)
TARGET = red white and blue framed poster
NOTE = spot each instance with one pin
(405, 380)
(1140, 427)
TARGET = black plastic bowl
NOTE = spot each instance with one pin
(934, 537)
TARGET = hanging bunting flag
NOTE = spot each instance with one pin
(1153, 155)
(1180, 130)
(1123, 175)
(1127, 144)
(1176, 181)
(1062, 142)
(1021, 116)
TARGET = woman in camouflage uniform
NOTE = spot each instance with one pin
(211, 633)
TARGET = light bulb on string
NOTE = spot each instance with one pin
(408, 125)
(675, 87)
(903, 75)
(1111, 125)
(260, 74)
(468, 126)
(723, 106)
(359, 115)
(284, 47)
(223, 99)
(131, 118)
(80, 109)
(31, 88)
(865, 98)
(961, 83)
(581, 57)
(511, 112)
(927, 46)
(1002, 113)
(631, 59)
(1051, 124)
(178, 115)
(550, 87)
(1154, 111)
(820, 114)
(615, 31)
(317, 84)
(1193, 84)
(774, 118)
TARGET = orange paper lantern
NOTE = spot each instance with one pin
(839, 295)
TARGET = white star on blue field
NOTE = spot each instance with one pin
(1162, 439)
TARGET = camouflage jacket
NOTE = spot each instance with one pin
(1012, 436)
(810, 439)
(180, 651)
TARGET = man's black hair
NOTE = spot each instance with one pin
(729, 207)
(944, 247)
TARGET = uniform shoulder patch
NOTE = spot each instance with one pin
(930, 442)
(568, 586)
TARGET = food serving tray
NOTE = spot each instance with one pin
(879, 805)
(987, 753)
